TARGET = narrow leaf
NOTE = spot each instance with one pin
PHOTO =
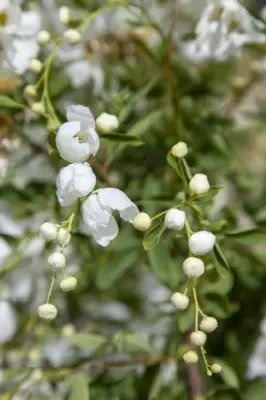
(222, 265)
(7, 102)
(172, 161)
(153, 236)
(167, 270)
(88, 341)
(250, 236)
(79, 388)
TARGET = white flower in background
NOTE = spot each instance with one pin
(175, 219)
(97, 214)
(5, 251)
(224, 27)
(77, 139)
(73, 182)
(8, 321)
(107, 122)
(201, 243)
(9, 16)
(199, 184)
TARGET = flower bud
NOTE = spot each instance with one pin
(201, 243)
(208, 324)
(44, 37)
(190, 357)
(64, 14)
(199, 184)
(180, 300)
(35, 65)
(38, 108)
(193, 267)
(179, 150)
(68, 330)
(175, 219)
(68, 283)
(72, 36)
(63, 237)
(48, 231)
(216, 368)
(47, 311)
(107, 122)
(198, 338)
(57, 261)
(30, 91)
(142, 222)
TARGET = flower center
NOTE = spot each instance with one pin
(82, 137)
(3, 18)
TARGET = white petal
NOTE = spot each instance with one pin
(74, 181)
(5, 251)
(19, 53)
(30, 24)
(118, 200)
(94, 214)
(81, 114)
(105, 234)
(69, 147)
(8, 321)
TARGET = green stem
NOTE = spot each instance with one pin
(51, 287)
(196, 309)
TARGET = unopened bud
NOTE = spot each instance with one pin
(180, 300)
(201, 243)
(35, 65)
(72, 36)
(63, 237)
(68, 283)
(48, 231)
(38, 108)
(199, 184)
(57, 261)
(216, 368)
(30, 91)
(64, 14)
(107, 122)
(175, 219)
(44, 37)
(208, 324)
(193, 267)
(179, 150)
(47, 311)
(198, 338)
(190, 357)
(142, 222)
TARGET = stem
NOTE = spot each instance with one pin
(196, 309)
(51, 287)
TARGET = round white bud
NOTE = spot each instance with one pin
(63, 237)
(38, 107)
(193, 267)
(47, 311)
(44, 37)
(48, 231)
(199, 184)
(35, 65)
(198, 338)
(179, 150)
(30, 91)
(181, 301)
(208, 324)
(72, 36)
(64, 14)
(175, 219)
(68, 330)
(142, 222)
(216, 368)
(190, 357)
(68, 283)
(107, 122)
(57, 261)
(201, 243)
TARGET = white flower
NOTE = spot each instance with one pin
(107, 122)
(47, 311)
(142, 222)
(48, 231)
(57, 261)
(198, 338)
(199, 184)
(68, 283)
(97, 214)
(179, 150)
(72, 36)
(74, 181)
(5, 251)
(181, 301)
(224, 27)
(216, 368)
(18, 53)
(77, 139)
(190, 357)
(193, 267)
(175, 219)
(8, 321)
(10, 16)
(63, 237)
(208, 324)
(201, 243)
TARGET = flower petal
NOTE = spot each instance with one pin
(81, 114)
(69, 146)
(94, 214)
(8, 321)
(118, 200)
(103, 234)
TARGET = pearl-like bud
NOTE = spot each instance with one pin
(47, 311)
(175, 219)
(208, 324)
(57, 261)
(38, 108)
(72, 36)
(201, 243)
(198, 338)
(68, 283)
(68, 330)
(216, 368)
(48, 231)
(35, 65)
(190, 357)
(199, 184)
(181, 301)
(30, 91)
(63, 237)
(142, 222)
(44, 37)
(64, 14)
(193, 267)
(107, 122)
(179, 150)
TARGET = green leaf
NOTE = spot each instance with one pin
(185, 171)
(131, 342)
(250, 236)
(255, 391)
(228, 374)
(185, 319)
(147, 123)
(167, 270)
(214, 283)
(58, 84)
(212, 192)
(79, 387)
(153, 236)
(111, 271)
(88, 341)
(123, 138)
(218, 306)
(172, 161)
(225, 394)
(7, 102)
(221, 264)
